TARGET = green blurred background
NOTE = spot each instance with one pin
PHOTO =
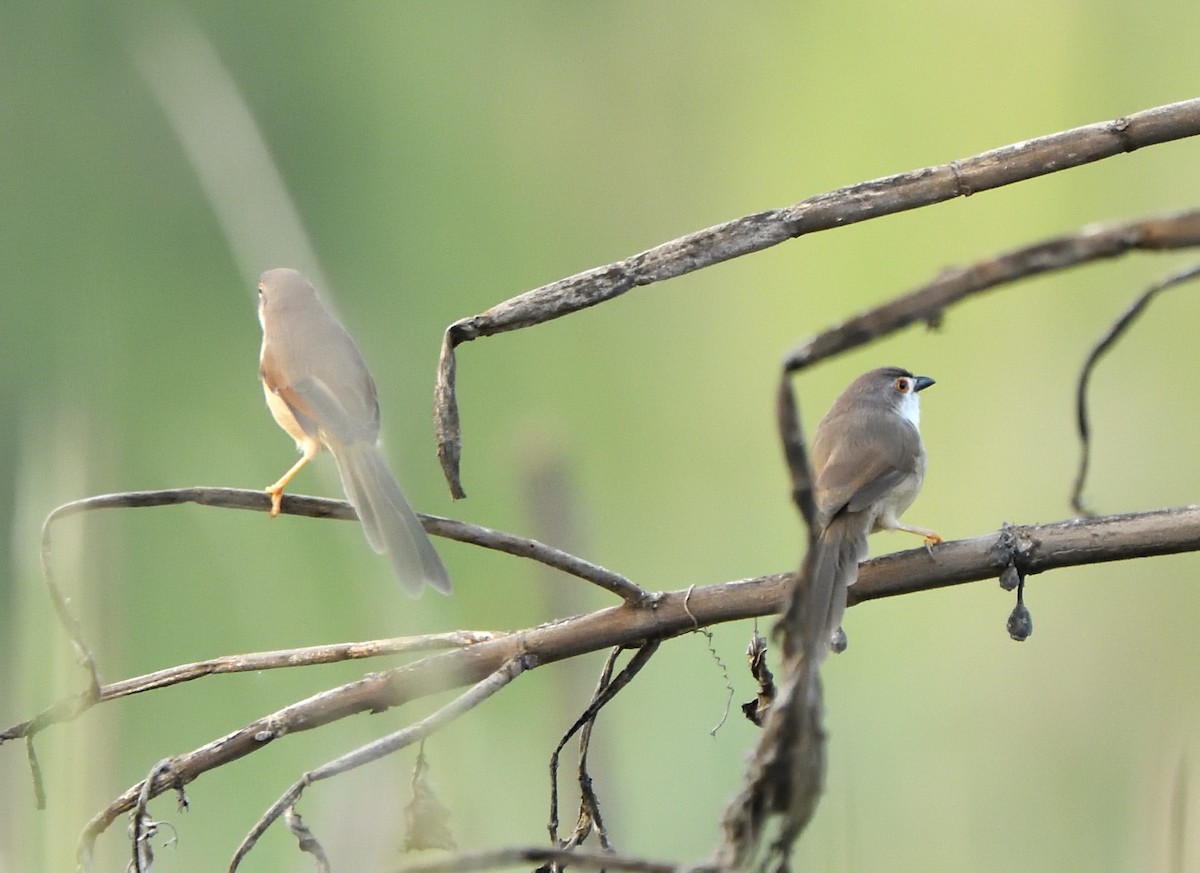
(444, 157)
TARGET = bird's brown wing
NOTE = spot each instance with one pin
(310, 361)
(321, 414)
(844, 482)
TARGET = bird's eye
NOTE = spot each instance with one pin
(902, 385)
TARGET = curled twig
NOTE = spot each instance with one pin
(577, 837)
(307, 842)
(606, 689)
(1106, 342)
(716, 656)
(142, 826)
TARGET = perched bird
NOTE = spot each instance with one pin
(320, 391)
(868, 464)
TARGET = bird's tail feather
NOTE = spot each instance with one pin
(390, 525)
(831, 567)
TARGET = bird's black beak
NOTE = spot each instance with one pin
(922, 382)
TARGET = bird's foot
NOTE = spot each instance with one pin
(932, 540)
(276, 493)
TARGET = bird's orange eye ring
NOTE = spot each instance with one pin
(902, 385)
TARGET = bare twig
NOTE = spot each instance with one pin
(470, 861)
(928, 302)
(606, 690)
(142, 825)
(71, 707)
(377, 749)
(1041, 547)
(606, 671)
(761, 230)
(313, 507)
(1114, 333)
(83, 654)
(323, 507)
(35, 770)
(791, 434)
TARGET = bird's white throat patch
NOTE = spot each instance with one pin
(910, 408)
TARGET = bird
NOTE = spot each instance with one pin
(868, 465)
(319, 390)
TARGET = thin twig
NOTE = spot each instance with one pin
(928, 302)
(589, 804)
(83, 653)
(384, 746)
(716, 656)
(140, 817)
(72, 707)
(752, 233)
(795, 454)
(606, 671)
(605, 691)
(322, 507)
(471, 861)
(1114, 333)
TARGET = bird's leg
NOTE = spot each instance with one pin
(309, 448)
(932, 537)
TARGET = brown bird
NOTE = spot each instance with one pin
(868, 464)
(320, 391)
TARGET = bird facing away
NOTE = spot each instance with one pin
(321, 393)
(868, 464)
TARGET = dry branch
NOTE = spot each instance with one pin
(465, 862)
(1038, 548)
(753, 233)
(928, 302)
(71, 707)
(323, 507)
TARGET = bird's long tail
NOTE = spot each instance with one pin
(831, 567)
(391, 526)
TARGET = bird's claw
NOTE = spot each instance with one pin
(932, 540)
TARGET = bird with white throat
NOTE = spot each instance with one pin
(868, 464)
